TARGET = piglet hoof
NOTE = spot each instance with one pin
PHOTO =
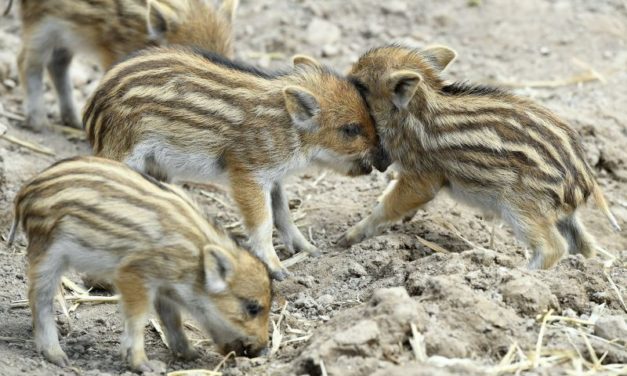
(347, 239)
(35, 122)
(71, 120)
(56, 356)
(314, 252)
(310, 249)
(188, 354)
(153, 367)
(280, 275)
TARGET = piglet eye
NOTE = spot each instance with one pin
(253, 308)
(351, 130)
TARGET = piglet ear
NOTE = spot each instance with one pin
(302, 106)
(156, 22)
(439, 56)
(403, 85)
(305, 61)
(218, 266)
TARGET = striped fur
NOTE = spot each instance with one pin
(498, 151)
(146, 237)
(54, 30)
(177, 113)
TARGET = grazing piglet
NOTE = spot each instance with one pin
(503, 153)
(100, 217)
(54, 30)
(177, 113)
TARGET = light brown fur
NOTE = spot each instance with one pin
(102, 218)
(54, 30)
(174, 113)
(500, 152)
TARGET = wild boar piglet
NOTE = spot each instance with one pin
(186, 114)
(148, 239)
(53, 31)
(501, 152)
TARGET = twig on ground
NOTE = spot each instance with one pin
(29, 145)
(590, 69)
(431, 245)
(277, 336)
(11, 115)
(319, 179)
(575, 79)
(74, 299)
(73, 286)
(14, 339)
(155, 324)
(297, 339)
(72, 133)
(417, 343)
(193, 327)
(537, 355)
(323, 369)
(593, 354)
(300, 256)
(455, 231)
(194, 372)
(509, 356)
(616, 290)
(226, 357)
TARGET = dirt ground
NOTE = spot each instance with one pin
(475, 308)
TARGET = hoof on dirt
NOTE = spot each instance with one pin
(280, 275)
(315, 252)
(35, 123)
(150, 367)
(188, 354)
(57, 356)
(72, 121)
(347, 240)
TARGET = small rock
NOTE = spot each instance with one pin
(9, 83)
(362, 332)
(322, 32)
(380, 295)
(326, 299)
(330, 50)
(357, 269)
(544, 51)
(258, 361)
(159, 367)
(307, 280)
(529, 296)
(611, 327)
(305, 301)
(394, 7)
(373, 30)
(242, 363)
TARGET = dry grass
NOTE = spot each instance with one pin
(417, 343)
(431, 245)
(277, 336)
(587, 75)
(29, 145)
(157, 326)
